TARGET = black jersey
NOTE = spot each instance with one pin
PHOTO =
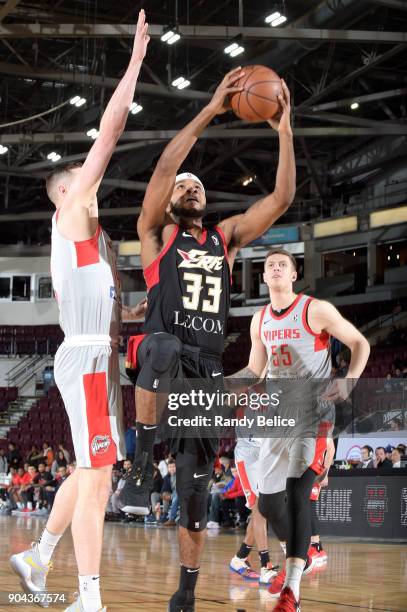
(189, 289)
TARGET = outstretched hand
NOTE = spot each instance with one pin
(141, 38)
(281, 122)
(220, 102)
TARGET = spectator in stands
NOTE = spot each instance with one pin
(226, 501)
(156, 493)
(366, 460)
(113, 505)
(398, 373)
(47, 453)
(225, 461)
(44, 493)
(169, 496)
(61, 447)
(60, 461)
(163, 465)
(71, 468)
(14, 488)
(27, 489)
(3, 462)
(388, 384)
(381, 460)
(402, 448)
(34, 456)
(396, 458)
(14, 457)
(130, 441)
(26, 466)
(389, 449)
(61, 476)
(343, 368)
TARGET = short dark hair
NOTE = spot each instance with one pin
(171, 462)
(56, 174)
(282, 252)
(380, 447)
(368, 448)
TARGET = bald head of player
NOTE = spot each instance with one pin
(58, 183)
(188, 200)
(280, 270)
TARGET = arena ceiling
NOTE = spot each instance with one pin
(330, 52)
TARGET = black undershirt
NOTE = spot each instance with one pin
(280, 313)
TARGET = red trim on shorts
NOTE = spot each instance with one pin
(87, 251)
(322, 339)
(132, 348)
(152, 272)
(321, 446)
(263, 312)
(225, 247)
(102, 448)
(250, 496)
(285, 314)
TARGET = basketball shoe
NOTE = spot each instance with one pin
(315, 550)
(184, 602)
(276, 587)
(242, 567)
(267, 574)
(32, 572)
(135, 495)
(287, 602)
(77, 606)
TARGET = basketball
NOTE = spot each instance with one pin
(258, 101)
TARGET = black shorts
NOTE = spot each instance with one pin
(198, 370)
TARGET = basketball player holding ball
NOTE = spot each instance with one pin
(187, 270)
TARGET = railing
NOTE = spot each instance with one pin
(26, 371)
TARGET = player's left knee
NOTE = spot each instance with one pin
(193, 511)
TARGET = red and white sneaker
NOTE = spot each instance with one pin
(277, 585)
(320, 556)
(267, 574)
(310, 564)
(287, 602)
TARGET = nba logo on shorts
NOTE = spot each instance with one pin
(100, 445)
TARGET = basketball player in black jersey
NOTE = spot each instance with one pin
(187, 270)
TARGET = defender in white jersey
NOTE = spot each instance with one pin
(87, 288)
(290, 344)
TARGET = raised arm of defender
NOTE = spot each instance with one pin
(241, 229)
(161, 185)
(81, 196)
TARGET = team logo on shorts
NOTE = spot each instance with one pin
(100, 445)
(215, 240)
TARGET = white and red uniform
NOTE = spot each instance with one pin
(299, 361)
(87, 288)
(247, 463)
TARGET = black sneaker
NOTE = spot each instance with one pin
(181, 604)
(135, 495)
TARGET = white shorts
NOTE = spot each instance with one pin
(247, 464)
(88, 379)
(282, 458)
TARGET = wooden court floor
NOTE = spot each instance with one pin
(140, 572)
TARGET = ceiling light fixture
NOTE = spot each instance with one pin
(170, 35)
(181, 83)
(135, 108)
(354, 105)
(3, 149)
(93, 133)
(77, 101)
(54, 157)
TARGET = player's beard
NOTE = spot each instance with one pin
(185, 213)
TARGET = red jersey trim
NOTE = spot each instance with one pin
(132, 348)
(293, 305)
(152, 272)
(87, 251)
(263, 312)
(225, 247)
(321, 339)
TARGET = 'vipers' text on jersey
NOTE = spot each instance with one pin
(86, 284)
(189, 289)
(293, 349)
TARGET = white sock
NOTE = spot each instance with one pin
(283, 546)
(46, 545)
(293, 576)
(89, 589)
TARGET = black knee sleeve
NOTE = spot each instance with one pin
(159, 357)
(299, 514)
(193, 509)
(273, 507)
